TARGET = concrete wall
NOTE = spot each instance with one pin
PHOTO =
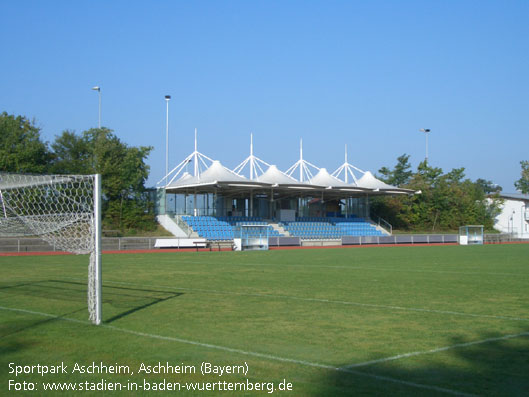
(170, 225)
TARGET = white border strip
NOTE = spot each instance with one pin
(248, 353)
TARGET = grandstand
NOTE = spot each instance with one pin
(305, 201)
(226, 228)
(330, 228)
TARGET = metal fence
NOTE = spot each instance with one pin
(401, 239)
(33, 244)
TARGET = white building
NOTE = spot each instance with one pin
(514, 217)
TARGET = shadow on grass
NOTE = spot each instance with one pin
(122, 301)
(15, 327)
(494, 368)
(12, 328)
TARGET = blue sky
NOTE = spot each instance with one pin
(368, 74)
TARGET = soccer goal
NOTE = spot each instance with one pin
(471, 234)
(63, 210)
(251, 237)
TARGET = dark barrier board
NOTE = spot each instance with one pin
(283, 241)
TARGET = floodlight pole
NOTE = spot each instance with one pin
(167, 99)
(426, 132)
(98, 89)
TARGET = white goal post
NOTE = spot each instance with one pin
(63, 210)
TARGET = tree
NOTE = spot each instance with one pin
(21, 148)
(400, 175)
(488, 187)
(123, 172)
(522, 184)
(446, 202)
(71, 154)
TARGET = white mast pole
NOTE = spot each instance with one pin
(195, 159)
(251, 157)
(346, 168)
(301, 159)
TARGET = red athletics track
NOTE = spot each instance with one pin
(151, 251)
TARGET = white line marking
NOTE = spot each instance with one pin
(73, 320)
(248, 353)
(437, 350)
(319, 300)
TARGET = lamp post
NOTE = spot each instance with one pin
(98, 89)
(167, 99)
(426, 132)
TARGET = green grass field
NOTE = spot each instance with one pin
(332, 322)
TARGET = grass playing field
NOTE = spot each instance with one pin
(331, 322)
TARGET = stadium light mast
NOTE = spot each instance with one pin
(98, 89)
(426, 132)
(167, 99)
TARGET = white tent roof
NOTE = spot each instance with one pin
(185, 176)
(215, 174)
(276, 177)
(369, 181)
(323, 178)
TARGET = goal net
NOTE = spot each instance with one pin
(63, 210)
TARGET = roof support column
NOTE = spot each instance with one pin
(321, 205)
(215, 212)
(271, 204)
(251, 202)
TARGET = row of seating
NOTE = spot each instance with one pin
(227, 228)
(210, 227)
(332, 219)
(245, 219)
(331, 228)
